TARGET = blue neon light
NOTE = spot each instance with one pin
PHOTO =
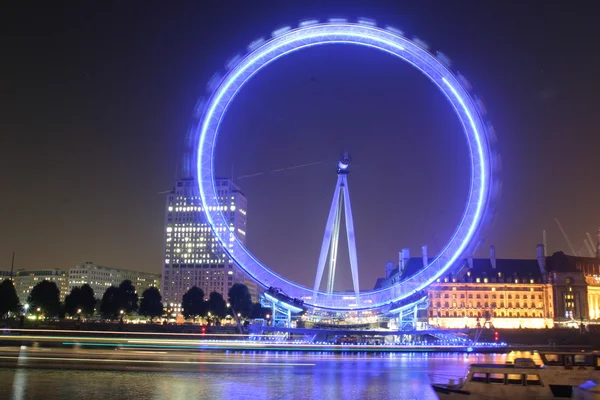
(392, 42)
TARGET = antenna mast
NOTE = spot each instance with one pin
(12, 266)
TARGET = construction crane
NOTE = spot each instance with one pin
(566, 237)
(589, 247)
(591, 242)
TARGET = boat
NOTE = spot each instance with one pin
(562, 375)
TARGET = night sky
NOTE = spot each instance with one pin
(97, 97)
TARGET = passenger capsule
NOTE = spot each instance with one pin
(466, 84)
(444, 59)
(308, 22)
(422, 44)
(213, 83)
(394, 30)
(233, 61)
(281, 31)
(256, 44)
(367, 21)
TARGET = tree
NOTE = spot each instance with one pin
(193, 304)
(88, 300)
(9, 301)
(81, 298)
(240, 300)
(130, 297)
(151, 304)
(73, 301)
(112, 300)
(45, 296)
(216, 305)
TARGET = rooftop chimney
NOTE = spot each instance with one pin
(404, 257)
(493, 256)
(400, 262)
(389, 267)
(425, 258)
(541, 258)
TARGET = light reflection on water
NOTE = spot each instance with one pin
(368, 376)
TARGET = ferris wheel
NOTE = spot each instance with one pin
(484, 163)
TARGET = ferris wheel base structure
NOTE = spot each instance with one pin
(484, 163)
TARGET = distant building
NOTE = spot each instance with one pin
(558, 290)
(101, 278)
(4, 275)
(193, 254)
(25, 280)
(576, 287)
(503, 293)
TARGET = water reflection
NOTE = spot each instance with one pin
(323, 376)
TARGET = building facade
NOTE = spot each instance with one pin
(101, 278)
(25, 280)
(576, 286)
(500, 293)
(193, 254)
(548, 291)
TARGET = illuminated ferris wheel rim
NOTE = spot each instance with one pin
(391, 41)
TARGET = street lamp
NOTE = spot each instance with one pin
(26, 307)
(121, 312)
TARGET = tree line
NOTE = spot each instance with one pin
(240, 305)
(44, 299)
(118, 301)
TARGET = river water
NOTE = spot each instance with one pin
(253, 376)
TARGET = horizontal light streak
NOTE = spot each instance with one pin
(124, 333)
(133, 361)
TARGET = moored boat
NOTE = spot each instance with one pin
(523, 379)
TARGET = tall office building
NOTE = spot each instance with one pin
(193, 254)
